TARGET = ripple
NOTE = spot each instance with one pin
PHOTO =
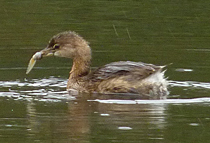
(104, 114)
(183, 70)
(166, 101)
(54, 88)
(124, 128)
(192, 84)
(47, 89)
(194, 124)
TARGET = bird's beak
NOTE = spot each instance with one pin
(37, 56)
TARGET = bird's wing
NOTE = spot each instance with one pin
(136, 70)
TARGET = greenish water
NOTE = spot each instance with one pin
(36, 107)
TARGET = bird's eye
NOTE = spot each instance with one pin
(56, 46)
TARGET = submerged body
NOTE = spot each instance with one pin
(146, 80)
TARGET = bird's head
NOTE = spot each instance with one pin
(66, 44)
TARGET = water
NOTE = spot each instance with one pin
(37, 108)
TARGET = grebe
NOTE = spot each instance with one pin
(117, 77)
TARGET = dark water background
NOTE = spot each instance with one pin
(36, 107)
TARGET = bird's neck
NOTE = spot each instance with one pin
(80, 68)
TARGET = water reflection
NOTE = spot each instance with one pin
(97, 121)
(85, 121)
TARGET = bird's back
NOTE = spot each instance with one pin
(130, 77)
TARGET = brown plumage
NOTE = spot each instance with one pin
(118, 77)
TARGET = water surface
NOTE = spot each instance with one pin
(37, 108)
